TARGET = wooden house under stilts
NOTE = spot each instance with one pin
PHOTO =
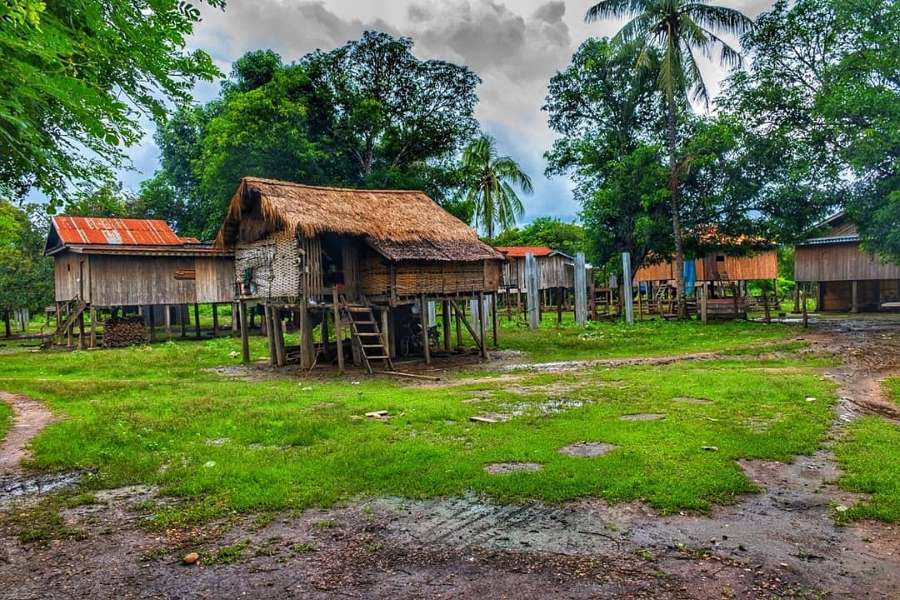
(359, 266)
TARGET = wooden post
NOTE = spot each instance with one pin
(494, 324)
(338, 334)
(151, 319)
(215, 311)
(508, 299)
(704, 302)
(235, 312)
(640, 303)
(278, 334)
(482, 325)
(182, 316)
(459, 343)
(532, 294)
(765, 296)
(197, 320)
(167, 319)
(797, 297)
(803, 302)
(93, 327)
(82, 342)
(626, 288)
(270, 334)
(306, 343)
(423, 313)
(559, 305)
(854, 296)
(386, 332)
(59, 322)
(734, 292)
(445, 323)
(68, 326)
(245, 332)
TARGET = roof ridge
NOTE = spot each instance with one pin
(330, 188)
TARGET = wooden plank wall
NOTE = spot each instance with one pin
(762, 265)
(117, 280)
(840, 262)
(67, 276)
(214, 279)
(553, 272)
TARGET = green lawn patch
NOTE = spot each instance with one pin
(870, 457)
(159, 416)
(612, 339)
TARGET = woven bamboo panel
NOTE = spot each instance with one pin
(275, 263)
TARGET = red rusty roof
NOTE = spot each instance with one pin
(89, 231)
(520, 251)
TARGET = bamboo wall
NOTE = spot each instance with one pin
(409, 278)
(840, 262)
(718, 267)
(275, 264)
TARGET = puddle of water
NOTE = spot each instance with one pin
(16, 486)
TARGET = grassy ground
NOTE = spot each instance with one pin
(157, 415)
(871, 462)
(5, 419)
(655, 337)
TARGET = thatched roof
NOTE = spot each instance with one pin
(399, 224)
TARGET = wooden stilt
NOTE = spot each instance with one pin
(82, 342)
(854, 296)
(215, 315)
(278, 335)
(704, 302)
(765, 297)
(803, 306)
(482, 325)
(270, 334)
(151, 320)
(235, 316)
(559, 306)
(445, 324)
(69, 328)
(462, 319)
(494, 324)
(93, 327)
(386, 331)
(245, 332)
(459, 342)
(338, 333)
(426, 341)
(306, 343)
(182, 317)
(167, 319)
(197, 320)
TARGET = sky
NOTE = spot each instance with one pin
(515, 46)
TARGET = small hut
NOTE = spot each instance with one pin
(848, 278)
(359, 263)
(721, 276)
(108, 263)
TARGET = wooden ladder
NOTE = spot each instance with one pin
(367, 334)
(78, 307)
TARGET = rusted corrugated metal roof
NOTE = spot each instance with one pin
(87, 231)
(520, 251)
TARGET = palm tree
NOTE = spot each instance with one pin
(489, 185)
(676, 28)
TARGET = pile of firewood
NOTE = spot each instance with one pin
(124, 331)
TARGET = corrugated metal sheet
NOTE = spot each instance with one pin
(521, 251)
(85, 231)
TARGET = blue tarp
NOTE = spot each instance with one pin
(690, 277)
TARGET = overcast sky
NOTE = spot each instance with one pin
(515, 46)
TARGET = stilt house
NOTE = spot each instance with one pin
(103, 263)
(363, 263)
(848, 278)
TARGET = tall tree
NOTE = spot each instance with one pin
(546, 231)
(677, 29)
(76, 76)
(490, 185)
(26, 275)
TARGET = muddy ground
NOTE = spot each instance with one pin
(782, 542)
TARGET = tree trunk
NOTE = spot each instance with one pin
(6, 318)
(675, 208)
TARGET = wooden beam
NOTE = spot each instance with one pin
(167, 319)
(245, 332)
(494, 323)
(270, 334)
(386, 329)
(338, 333)
(151, 320)
(197, 320)
(459, 342)
(482, 325)
(445, 324)
(465, 322)
(278, 331)
(93, 327)
(182, 316)
(423, 313)
(215, 315)
(306, 350)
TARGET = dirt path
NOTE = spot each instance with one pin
(29, 418)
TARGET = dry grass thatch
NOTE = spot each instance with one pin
(401, 225)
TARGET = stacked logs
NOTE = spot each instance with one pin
(124, 331)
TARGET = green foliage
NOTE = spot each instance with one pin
(106, 200)
(26, 275)
(488, 185)
(368, 114)
(546, 231)
(871, 464)
(821, 103)
(76, 76)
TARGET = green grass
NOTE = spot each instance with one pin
(656, 337)
(5, 419)
(156, 415)
(870, 458)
